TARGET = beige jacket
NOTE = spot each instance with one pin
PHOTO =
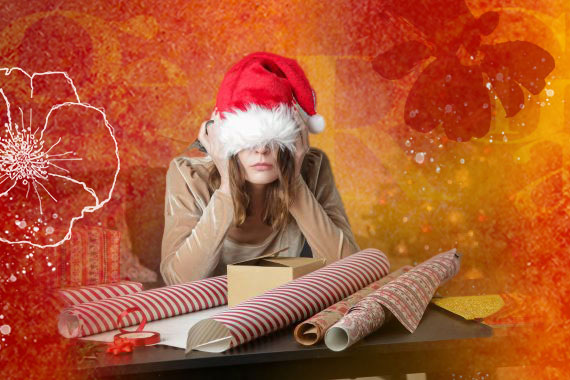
(194, 244)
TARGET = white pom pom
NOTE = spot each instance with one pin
(316, 123)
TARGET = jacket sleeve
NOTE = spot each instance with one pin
(192, 239)
(322, 219)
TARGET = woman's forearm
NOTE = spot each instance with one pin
(327, 231)
(192, 252)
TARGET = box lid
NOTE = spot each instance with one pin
(292, 262)
(255, 259)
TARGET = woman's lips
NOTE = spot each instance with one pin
(262, 167)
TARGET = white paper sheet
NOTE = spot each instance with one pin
(173, 331)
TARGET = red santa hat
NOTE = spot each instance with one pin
(257, 101)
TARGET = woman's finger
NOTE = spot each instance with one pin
(203, 137)
(305, 135)
(212, 134)
(299, 142)
(201, 133)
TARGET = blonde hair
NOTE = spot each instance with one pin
(279, 194)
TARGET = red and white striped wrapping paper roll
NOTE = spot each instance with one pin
(99, 316)
(83, 294)
(405, 297)
(289, 303)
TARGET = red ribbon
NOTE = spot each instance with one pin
(120, 345)
(123, 343)
(131, 310)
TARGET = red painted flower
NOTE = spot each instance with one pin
(453, 90)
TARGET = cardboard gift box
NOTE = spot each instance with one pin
(252, 277)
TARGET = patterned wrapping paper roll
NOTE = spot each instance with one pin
(83, 294)
(99, 316)
(291, 302)
(406, 297)
(312, 331)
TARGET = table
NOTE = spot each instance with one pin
(439, 344)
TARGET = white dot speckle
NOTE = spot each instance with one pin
(5, 329)
(420, 157)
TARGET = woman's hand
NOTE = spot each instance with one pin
(209, 139)
(301, 145)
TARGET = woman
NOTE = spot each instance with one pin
(261, 188)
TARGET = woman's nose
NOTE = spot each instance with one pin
(262, 149)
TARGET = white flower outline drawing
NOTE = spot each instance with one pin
(24, 159)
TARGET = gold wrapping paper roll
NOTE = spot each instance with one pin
(313, 330)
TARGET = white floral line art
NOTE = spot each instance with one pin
(23, 158)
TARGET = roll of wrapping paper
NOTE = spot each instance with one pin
(99, 316)
(406, 297)
(288, 303)
(313, 330)
(83, 294)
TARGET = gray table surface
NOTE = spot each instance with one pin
(280, 349)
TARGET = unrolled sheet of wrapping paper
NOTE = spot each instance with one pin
(289, 303)
(83, 294)
(99, 316)
(173, 331)
(471, 307)
(313, 330)
(406, 298)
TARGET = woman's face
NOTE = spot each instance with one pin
(251, 159)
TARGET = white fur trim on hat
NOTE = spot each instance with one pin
(316, 124)
(257, 126)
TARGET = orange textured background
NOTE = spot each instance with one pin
(502, 198)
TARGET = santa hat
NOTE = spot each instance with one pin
(257, 101)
